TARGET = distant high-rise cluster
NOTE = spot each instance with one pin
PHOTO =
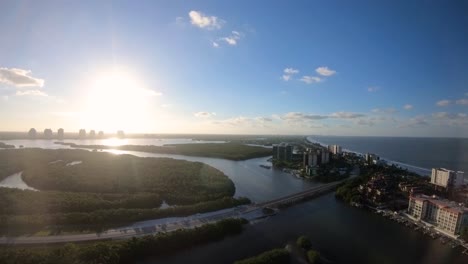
(282, 152)
(335, 149)
(314, 157)
(48, 133)
(82, 133)
(32, 133)
(120, 134)
(372, 158)
(60, 133)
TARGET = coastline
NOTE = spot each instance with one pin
(424, 172)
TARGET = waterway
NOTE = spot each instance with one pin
(252, 181)
(342, 233)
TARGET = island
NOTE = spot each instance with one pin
(91, 191)
(230, 151)
(6, 146)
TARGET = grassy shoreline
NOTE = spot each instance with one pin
(230, 151)
(105, 190)
(123, 251)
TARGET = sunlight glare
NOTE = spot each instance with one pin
(117, 100)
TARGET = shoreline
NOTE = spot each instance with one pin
(423, 172)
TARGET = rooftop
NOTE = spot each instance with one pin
(442, 203)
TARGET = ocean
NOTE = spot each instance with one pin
(421, 154)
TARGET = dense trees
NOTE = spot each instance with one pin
(175, 181)
(304, 242)
(349, 192)
(313, 257)
(101, 219)
(231, 151)
(6, 146)
(274, 256)
(105, 189)
(127, 251)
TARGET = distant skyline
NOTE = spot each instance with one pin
(360, 68)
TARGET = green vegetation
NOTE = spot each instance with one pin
(100, 219)
(349, 192)
(287, 164)
(6, 146)
(313, 257)
(231, 151)
(304, 242)
(125, 251)
(105, 190)
(175, 181)
(274, 256)
(330, 172)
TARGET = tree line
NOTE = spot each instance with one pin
(125, 251)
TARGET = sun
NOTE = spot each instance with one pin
(117, 100)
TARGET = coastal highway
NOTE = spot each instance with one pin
(249, 212)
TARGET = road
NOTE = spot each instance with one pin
(248, 212)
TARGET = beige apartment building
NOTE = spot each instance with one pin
(447, 216)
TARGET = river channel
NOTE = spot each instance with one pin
(342, 233)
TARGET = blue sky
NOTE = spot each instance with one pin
(393, 68)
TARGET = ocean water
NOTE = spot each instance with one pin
(419, 153)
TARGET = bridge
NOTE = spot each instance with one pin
(300, 196)
(157, 225)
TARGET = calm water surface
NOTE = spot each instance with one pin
(342, 233)
(450, 153)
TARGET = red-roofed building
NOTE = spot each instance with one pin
(444, 214)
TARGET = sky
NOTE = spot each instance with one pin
(358, 68)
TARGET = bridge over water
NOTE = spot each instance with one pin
(151, 227)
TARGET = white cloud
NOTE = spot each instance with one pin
(443, 102)
(215, 44)
(346, 115)
(390, 110)
(149, 92)
(231, 41)
(372, 89)
(233, 38)
(19, 78)
(451, 119)
(298, 116)
(408, 107)
(31, 92)
(264, 119)
(5, 97)
(200, 20)
(363, 122)
(204, 114)
(325, 71)
(235, 121)
(166, 105)
(462, 102)
(416, 121)
(310, 79)
(288, 73)
(442, 115)
(180, 21)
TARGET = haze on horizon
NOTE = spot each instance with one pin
(305, 67)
